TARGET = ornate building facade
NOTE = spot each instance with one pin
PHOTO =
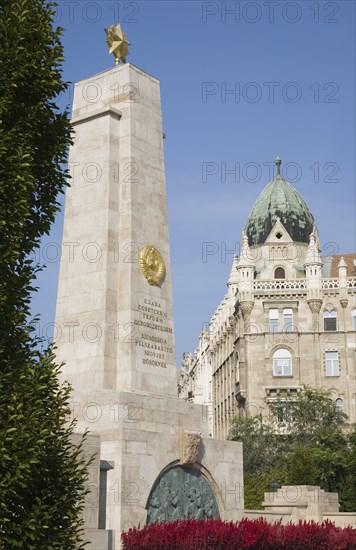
(288, 318)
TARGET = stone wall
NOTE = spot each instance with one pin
(302, 503)
(100, 539)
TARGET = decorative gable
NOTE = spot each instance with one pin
(278, 234)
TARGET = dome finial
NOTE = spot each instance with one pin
(278, 164)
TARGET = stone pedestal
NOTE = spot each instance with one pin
(114, 311)
(302, 502)
(143, 436)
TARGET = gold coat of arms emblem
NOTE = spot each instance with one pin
(152, 266)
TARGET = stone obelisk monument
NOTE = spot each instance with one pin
(114, 320)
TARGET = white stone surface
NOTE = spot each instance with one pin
(141, 436)
(302, 503)
(110, 322)
(114, 330)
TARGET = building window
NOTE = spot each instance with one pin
(282, 363)
(354, 319)
(288, 320)
(340, 408)
(332, 363)
(279, 273)
(280, 413)
(329, 319)
(273, 320)
(283, 413)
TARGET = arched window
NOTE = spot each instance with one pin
(282, 362)
(354, 319)
(329, 319)
(340, 408)
(279, 273)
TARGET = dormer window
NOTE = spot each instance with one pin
(279, 273)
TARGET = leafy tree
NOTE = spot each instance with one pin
(42, 475)
(304, 440)
(309, 416)
(258, 440)
(261, 447)
(348, 487)
(302, 466)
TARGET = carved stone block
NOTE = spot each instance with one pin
(190, 447)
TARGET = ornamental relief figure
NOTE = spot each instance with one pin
(181, 493)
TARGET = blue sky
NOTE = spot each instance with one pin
(292, 67)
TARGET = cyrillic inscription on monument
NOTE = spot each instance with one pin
(154, 335)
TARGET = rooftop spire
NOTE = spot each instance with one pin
(278, 165)
(245, 259)
(313, 255)
(233, 279)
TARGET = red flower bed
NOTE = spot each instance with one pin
(247, 534)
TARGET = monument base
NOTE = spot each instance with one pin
(142, 438)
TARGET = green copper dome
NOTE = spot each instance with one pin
(279, 200)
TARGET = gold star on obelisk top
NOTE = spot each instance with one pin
(118, 45)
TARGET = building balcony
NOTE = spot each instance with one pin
(298, 286)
